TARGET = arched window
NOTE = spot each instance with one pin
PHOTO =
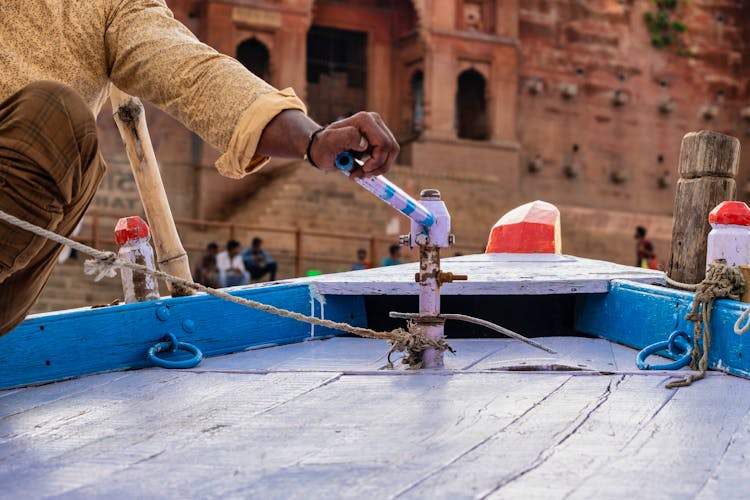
(471, 106)
(417, 99)
(255, 57)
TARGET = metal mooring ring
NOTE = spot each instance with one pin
(170, 344)
(679, 344)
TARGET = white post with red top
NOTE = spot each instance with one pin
(729, 238)
(133, 236)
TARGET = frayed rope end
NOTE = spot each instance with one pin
(103, 267)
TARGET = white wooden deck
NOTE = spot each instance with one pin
(322, 419)
(491, 274)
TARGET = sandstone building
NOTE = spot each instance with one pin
(496, 103)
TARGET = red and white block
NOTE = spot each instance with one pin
(530, 228)
(729, 238)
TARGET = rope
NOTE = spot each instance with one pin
(682, 286)
(104, 264)
(739, 328)
(721, 281)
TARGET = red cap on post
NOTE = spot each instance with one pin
(735, 213)
(530, 228)
(130, 228)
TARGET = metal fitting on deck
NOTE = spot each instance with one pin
(444, 277)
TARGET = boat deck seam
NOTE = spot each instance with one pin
(449, 372)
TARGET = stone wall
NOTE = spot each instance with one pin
(624, 153)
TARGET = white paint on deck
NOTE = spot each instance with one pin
(491, 274)
(321, 419)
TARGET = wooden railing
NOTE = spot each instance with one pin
(94, 230)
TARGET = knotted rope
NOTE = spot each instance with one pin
(105, 264)
(721, 281)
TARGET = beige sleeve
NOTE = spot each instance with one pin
(153, 56)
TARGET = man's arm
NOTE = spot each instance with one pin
(153, 56)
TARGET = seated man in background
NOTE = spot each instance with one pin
(361, 262)
(231, 268)
(394, 256)
(207, 272)
(257, 261)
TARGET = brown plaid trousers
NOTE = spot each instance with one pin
(50, 167)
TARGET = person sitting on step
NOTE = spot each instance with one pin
(231, 268)
(257, 261)
(394, 256)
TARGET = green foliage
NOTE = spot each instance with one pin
(666, 4)
(664, 30)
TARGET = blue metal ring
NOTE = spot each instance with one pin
(172, 345)
(679, 344)
(344, 161)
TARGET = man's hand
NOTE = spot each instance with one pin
(288, 134)
(361, 132)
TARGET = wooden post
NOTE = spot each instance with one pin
(131, 121)
(709, 161)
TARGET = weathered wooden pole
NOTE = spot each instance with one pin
(709, 162)
(131, 121)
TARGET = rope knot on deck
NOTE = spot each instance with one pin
(413, 343)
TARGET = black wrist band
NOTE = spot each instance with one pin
(308, 157)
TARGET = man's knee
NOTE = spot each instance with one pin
(49, 125)
(59, 98)
(59, 103)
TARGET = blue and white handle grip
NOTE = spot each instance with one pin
(388, 192)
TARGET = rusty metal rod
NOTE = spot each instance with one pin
(477, 321)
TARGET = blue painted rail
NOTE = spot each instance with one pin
(640, 315)
(68, 344)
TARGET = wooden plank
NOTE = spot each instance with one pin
(307, 447)
(573, 353)
(678, 450)
(116, 427)
(470, 353)
(732, 469)
(490, 274)
(342, 354)
(638, 315)
(514, 445)
(56, 346)
(20, 400)
(535, 456)
(336, 354)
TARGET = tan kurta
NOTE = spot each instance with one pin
(138, 46)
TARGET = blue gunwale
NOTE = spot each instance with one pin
(56, 346)
(638, 315)
(66, 344)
